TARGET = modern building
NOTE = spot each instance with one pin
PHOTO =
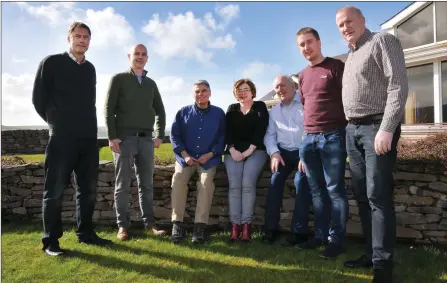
(422, 31)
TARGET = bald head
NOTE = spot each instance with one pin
(137, 57)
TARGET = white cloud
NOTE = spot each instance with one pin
(228, 12)
(16, 60)
(61, 15)
(186, 36)
(258, 68)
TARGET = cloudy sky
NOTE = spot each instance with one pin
(219, 42)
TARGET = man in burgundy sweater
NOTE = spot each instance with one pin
(322, 150)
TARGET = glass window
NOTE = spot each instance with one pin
(444, 91)
(417, 30)
(420, 103)
(441, 21)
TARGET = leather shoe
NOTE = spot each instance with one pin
(363, 261)
(246, 232)
(235, 232)
(383, 276)
(95, 240)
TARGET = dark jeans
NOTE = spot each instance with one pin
(275, 195)
(324, 157)
(63, 156)
(372, 180)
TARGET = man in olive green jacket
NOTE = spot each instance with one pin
(133, 105)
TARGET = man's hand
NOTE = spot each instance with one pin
(301, 167)
(275, 160)
(157, 142)
(382, 143)
(190, 160)
(236, 155)
(204, 158)
(114, 145)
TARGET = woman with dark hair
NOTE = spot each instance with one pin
(245, 155)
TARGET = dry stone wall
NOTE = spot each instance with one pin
(420, 199)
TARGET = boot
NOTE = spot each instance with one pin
(235, 232)
(246, 232)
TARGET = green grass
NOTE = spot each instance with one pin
(146, 258)
(163, 156)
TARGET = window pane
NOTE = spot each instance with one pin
(441, 21)
(417, 30)
(419, 107)
(444, 91)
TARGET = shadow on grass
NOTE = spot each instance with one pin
(272, 262)
(199, 270)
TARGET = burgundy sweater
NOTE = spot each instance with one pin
(320, 91)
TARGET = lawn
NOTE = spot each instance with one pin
(146, 258)
(163, 155)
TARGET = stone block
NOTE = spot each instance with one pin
(106, 177)
(32, 203)
(403, 232)
(288, 205)
(19, 210)
(219, 210)
(20, 191)
(32, 179)
(162, 212)
(435, 233)
(442, 204)
(406, 176)
(413, 200)
(438, 186)
(414, 190)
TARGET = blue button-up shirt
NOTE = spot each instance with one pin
(286, 127)
(198, 132)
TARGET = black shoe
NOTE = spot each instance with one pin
(95, 240)
(295, 239)
(270, 236)
(383, 275)
(178, 233)
(363, 261)
(198, 235)
(332, 251)
(311, 244)
(53, 250)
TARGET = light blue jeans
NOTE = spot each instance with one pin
(242, 179)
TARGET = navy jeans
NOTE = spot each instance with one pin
(324, 157)
(372, 180)
(300, 216)
(63, 156)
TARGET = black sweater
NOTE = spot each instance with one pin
(64, 95)
(243, 130)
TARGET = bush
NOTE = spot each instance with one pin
(431, 150)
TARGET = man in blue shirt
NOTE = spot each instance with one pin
(282, 140)
(198, 139)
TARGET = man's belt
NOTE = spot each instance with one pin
(140, 134)
(367, 120)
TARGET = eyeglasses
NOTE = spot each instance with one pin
(246, 90)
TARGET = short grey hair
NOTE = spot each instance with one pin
(357, 10)
(202, 82)
(289, 80)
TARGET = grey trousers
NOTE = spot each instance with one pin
(138, 151)
(242, 179)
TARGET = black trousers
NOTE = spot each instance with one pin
(63, 156)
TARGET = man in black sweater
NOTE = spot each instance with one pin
(64, 95)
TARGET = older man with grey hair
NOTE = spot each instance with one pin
(198, 140)
(375, 89)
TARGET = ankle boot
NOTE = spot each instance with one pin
(246, 232)
(235, 232)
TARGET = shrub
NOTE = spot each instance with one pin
(431, 150)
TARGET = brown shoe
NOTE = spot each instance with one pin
(122, 234)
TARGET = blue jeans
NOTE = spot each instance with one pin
(300, 216)
(372, 180)
(242, 179)
(324, 157)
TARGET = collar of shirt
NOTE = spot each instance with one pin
(202, 110)
(74, 58)
(142, 75)
(296, 99)
(362, 39)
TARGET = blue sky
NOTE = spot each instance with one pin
(217, 41)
